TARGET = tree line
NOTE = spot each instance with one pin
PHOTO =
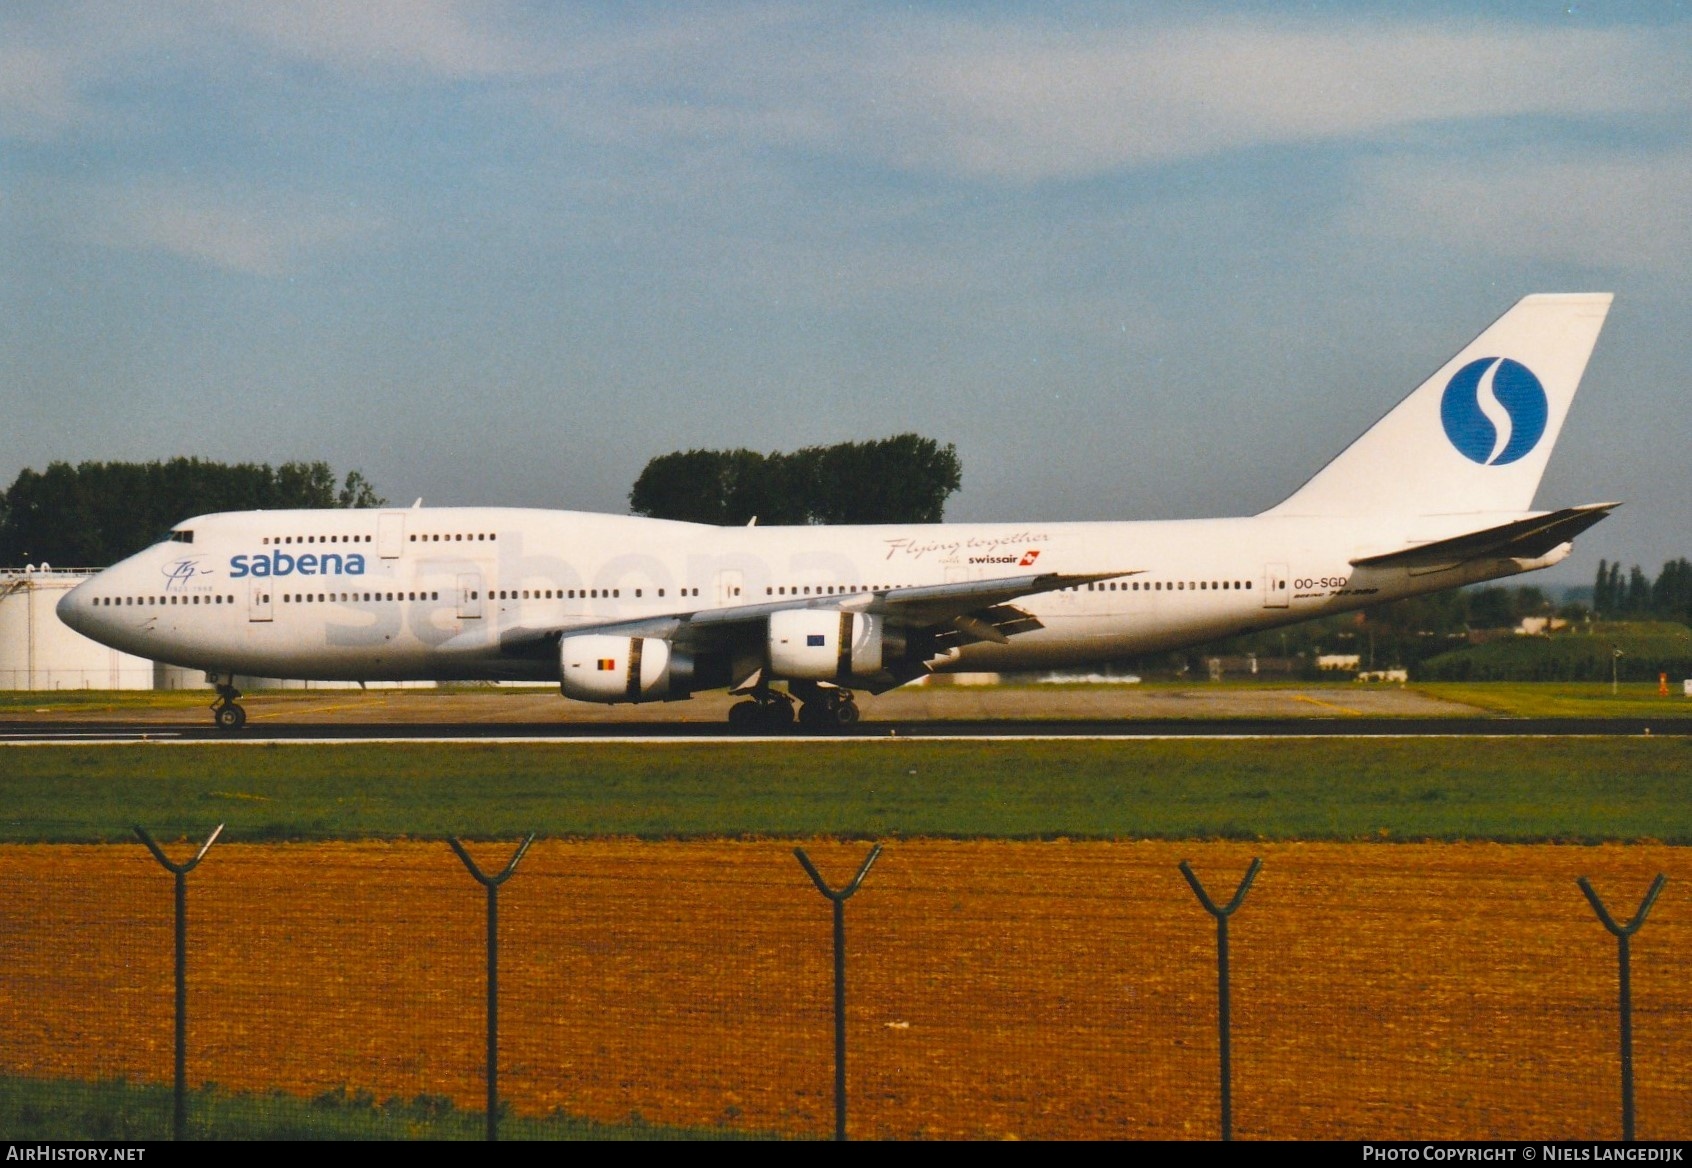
(96, 513)
(903, 479)
(1668, 597)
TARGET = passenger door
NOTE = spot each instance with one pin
(469, 595)
(390, 534)
(259, 600)
(729, 586)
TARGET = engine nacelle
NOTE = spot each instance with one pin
(597, 667)
(815, 644)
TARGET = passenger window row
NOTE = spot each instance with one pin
(824, 589)
(353, 597)
(556, 593)
(281, 539)
(1170, 586)
(574, 593)
(454, 537)
(114, 601)
(500, 594)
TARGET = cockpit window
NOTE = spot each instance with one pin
(181, 537)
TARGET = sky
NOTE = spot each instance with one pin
(1136, 261)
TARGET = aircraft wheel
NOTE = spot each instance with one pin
(845, 714)
(743, 715)
(776, 715)
(231, 717)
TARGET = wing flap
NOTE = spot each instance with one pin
(997, 624)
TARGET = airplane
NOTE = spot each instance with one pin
(621, 608)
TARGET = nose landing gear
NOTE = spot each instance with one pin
(226, 712)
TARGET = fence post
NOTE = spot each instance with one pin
(492, 883)
(1222, 1012)
(179, 1116)
(1624, 959)
(839, 897)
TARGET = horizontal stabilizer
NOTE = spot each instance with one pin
(1526, 539)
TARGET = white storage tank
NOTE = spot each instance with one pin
(38, 651)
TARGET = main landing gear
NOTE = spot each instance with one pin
(226, 711)
(829, 709)
(767, 711)
(821, 708)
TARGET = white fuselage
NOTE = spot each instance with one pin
(432, 593)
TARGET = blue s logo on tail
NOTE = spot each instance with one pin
(1494, 411)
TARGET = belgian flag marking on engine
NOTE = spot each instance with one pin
(607, 665)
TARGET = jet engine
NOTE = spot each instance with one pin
(813, 644)
(598, 667)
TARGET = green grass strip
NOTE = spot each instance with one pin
(114, 1110)
(1515, 789)
(1573, 699)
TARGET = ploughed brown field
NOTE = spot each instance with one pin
(996, 989)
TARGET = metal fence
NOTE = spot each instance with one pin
(990, 989)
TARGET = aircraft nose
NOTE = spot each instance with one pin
(73, 607)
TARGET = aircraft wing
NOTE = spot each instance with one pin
(956, 613)
(1526, 539)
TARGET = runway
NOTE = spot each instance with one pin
(90, 732)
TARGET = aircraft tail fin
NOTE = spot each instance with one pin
(1474, 437)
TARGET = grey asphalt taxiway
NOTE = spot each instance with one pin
(933, 713)
(625, 731)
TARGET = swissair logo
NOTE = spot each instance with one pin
(1028, 557)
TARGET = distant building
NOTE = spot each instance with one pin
(37, 650)
(1339, 661)
(1400, 675)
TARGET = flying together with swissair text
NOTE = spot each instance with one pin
(616, 608)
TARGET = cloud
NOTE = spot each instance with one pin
(1072, 104)
(259, 233)
(954, 95)
(1599, 209)
(59, 66)
(51, 59)
(37, 98)
(736, 113)
(427, 38)
(937, 91)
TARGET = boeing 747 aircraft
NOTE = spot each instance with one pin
(618, 608)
